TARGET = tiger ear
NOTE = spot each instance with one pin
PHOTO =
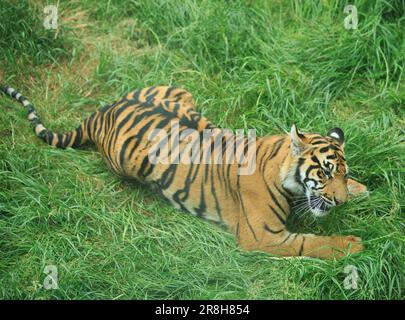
(338, 135)
(297, 141)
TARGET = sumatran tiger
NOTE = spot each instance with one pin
(253, 205)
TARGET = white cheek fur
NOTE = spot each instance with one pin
(310, 184)
(292, 185)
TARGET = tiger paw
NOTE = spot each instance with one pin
(344, 245)
(353, 244)
(356, 189)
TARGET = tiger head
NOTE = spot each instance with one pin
(318, 171)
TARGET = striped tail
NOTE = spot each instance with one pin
(72, 139)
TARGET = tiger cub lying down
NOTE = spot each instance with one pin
(254, 206)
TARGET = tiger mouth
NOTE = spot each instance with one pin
(318, 205)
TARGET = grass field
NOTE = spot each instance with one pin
(249, 64)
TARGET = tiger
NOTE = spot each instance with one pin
(254, 207)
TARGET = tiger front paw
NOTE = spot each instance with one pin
(344, 245)
(353, 244)
(356, 189)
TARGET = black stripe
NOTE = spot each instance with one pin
(149, 90)
(50, 136)
(151, 97)
(136, 95)
(101, 124)
(277, 214)
(89, 122)
(302, 246)
(168, 176)
(318, 142)
(276, 148)
(295, 237)
(59, 142)
(273, 197)
(116, 132)
(168, 92)
(237, 231)
(121, 108)
(287, 195)
(202, 207)
(266, 227)
(282, 242)
(139, 137)
(248, 143)
(68, 138)
(142, 169)
(176, 107)
(187, 184)
(316, 160)
(243, 207)
(178, 95)
(78, 137)
(122, 152)
(262, 162)
(30, 108)
(310, 168)
(213, 191)
(326, 149)
(297, 174)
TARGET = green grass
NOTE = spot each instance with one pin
(250, 64)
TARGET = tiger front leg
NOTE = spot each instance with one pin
(285, 243)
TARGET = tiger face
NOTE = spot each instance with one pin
(320, 171)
